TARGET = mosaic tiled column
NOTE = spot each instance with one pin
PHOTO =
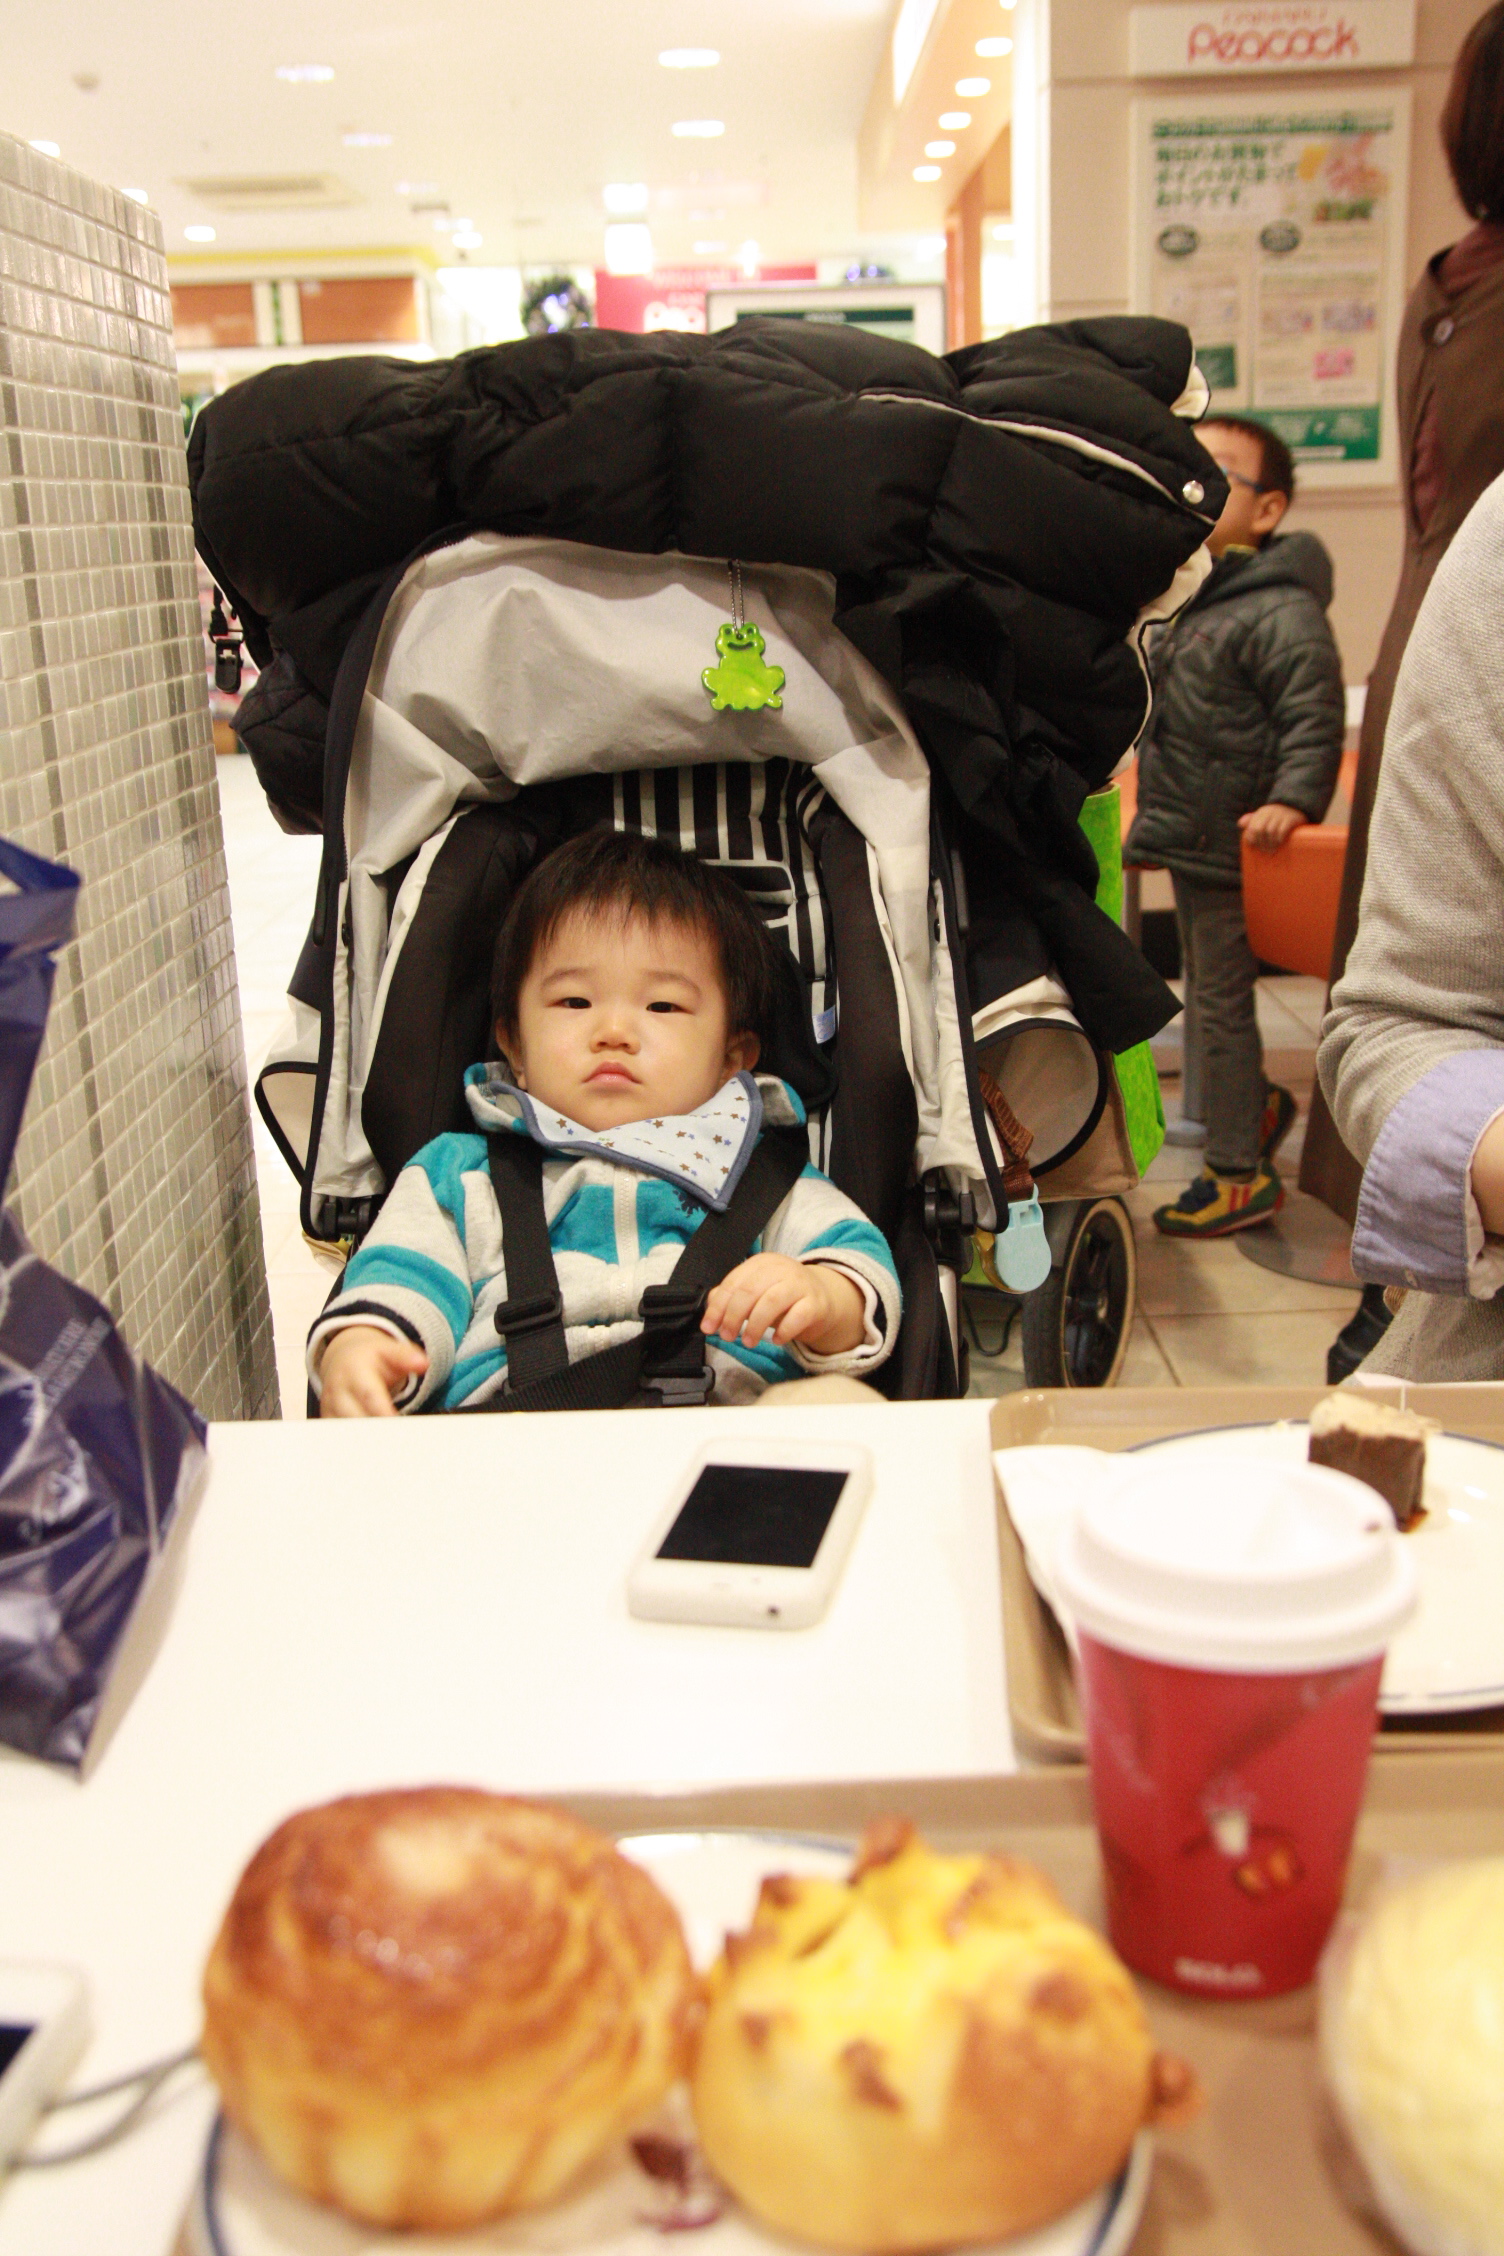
(134, 1172)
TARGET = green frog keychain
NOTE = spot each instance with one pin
(743, 679)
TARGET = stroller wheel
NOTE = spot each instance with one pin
(1076, 1326)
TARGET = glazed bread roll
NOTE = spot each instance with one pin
(1412, 2040)
(931, 2052)
(431, 2007)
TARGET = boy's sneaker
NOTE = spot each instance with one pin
(1213, 1206)
(1278, 1118)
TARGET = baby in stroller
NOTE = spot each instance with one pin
(632, 991)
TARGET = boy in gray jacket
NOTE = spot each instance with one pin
(1244, 742)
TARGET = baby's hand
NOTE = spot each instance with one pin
(362, 1368)
(794, 1300)
(1268, 827)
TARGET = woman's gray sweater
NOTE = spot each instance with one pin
(1412, 1051)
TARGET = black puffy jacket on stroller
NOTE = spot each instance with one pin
(950, 560)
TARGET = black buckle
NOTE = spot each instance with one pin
(690, 1392)
(667, 1307)
(674, 1365)
(532, 1314)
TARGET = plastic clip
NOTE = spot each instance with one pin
(1022, 1251)
(529, 1315)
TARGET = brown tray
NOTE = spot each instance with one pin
(1041, 1685)
(1261, 2171)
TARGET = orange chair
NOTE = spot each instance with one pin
(1290, 898)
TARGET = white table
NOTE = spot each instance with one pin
(392, 1603)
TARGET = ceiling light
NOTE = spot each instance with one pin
(1007, 3)
(415, 187)
(622, 198)
(911, 28)
(305, 74)
(926, 172)
(939, 148)
(954, 121)
(748, 258)
(929, 246)
(137, 195)
(629, 248)
(972, 89)
(689, 58)
(466, 239)
(366, 140)
(46, 148)
(994, 46)
(199, 234)
(697, 129)
(708, 250)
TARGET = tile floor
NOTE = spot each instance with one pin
(1205, 1314)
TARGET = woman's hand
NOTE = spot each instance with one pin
(1488, 1177)
(362, 1369)
(791, 1300)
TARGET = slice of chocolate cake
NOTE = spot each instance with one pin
(1383, 1446)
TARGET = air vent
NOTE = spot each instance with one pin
(272, 191)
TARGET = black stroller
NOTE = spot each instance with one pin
(525, 654)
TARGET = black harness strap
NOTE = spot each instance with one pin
(666, 1362)
(531, 1319)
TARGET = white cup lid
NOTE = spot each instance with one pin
(1236, 1563)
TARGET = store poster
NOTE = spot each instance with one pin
(1275, 231)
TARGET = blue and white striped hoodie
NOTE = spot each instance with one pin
(620, 1206)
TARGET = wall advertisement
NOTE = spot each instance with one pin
(1275, 231)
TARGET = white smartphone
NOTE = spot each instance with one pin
(755, 1536)
(44, 2026)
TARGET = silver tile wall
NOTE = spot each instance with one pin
(134, 1172)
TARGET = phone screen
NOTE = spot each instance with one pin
(755, 1516)
(12, 2037)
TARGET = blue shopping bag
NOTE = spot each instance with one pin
(96, 1452)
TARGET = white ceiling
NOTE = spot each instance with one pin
(516, 111)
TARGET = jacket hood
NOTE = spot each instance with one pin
(1285, 560)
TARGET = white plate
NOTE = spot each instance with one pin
(1449, 1657)
(240, 2209)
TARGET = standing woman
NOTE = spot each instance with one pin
(1451, 418)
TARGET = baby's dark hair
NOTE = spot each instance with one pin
(1276, 462)
(621, 874)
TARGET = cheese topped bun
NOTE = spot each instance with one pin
(932, 2051)
(431, 2007)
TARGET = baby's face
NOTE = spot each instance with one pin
(619, 1022)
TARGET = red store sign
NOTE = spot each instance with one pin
(674, 297)
(1238, 37)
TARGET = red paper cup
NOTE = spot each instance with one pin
(1232, 1618)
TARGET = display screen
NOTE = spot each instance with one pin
(755, 1516)
(12, 2036)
